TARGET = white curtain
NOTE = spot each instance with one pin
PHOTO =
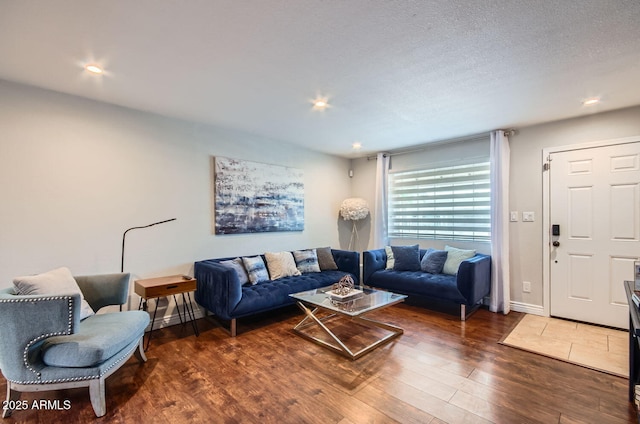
(380, 238)
(500, 298)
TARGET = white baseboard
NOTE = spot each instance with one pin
(173, 319)
(527, 308)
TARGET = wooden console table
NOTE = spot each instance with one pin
(154, 288)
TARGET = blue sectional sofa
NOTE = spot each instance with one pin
(220, 291)
(467, 288)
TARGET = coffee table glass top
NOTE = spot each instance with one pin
(369, 300)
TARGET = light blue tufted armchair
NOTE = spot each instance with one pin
(45, 346)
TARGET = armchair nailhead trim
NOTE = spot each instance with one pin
(88, 377)
(25, 352)
(58, 333)
(58, 380)
(121, 359)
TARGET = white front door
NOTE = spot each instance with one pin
(594, 197)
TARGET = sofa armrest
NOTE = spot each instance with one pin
(218, 288)
(105, 289)
(474, 278)
(372, 261)
(348, 261)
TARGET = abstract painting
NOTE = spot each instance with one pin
(252, 197)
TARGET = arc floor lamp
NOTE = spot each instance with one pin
(124, 236)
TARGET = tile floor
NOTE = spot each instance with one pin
(600, 348)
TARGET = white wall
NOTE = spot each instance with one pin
(525, 185)
(76, 173)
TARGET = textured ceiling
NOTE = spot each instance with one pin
(397, 73)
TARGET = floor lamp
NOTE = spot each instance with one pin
(124, 236)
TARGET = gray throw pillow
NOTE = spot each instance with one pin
(433, 261)
(238, 266)
(325, 259)
(406, 258)
(58, 281)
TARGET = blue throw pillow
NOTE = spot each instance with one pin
(433, 261)
(238, 266)
(406, 258)
(256, 269)
(306, 260)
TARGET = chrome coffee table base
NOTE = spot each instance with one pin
(312, 319)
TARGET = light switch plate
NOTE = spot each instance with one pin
(528, 216)
(513, 216)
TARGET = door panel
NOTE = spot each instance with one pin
(580, 213)
(595, 195)
(625, 212)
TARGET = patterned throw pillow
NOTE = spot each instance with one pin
(281, 264)
(238, 266)
(455, 257)
(433, 261)
(307, 260)
(325, 259)
(406, 258)
(256, 269)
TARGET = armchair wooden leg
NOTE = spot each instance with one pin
(140, 351)
(12, 397)
(96, 393)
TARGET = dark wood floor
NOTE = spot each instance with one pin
(440, 370)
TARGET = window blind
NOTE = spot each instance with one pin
(445, 203)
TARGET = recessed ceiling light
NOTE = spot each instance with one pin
(320, 103)
(356, 145)
(591, 101)
(94, 69)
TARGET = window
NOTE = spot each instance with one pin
(447, 203)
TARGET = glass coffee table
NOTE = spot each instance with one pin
(313, 302)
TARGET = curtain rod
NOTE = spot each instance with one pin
(426, 146)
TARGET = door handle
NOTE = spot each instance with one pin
(556, 243)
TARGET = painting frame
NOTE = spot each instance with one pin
(255, 197)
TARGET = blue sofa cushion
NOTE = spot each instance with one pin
(269, 294)
(406, 258)
(439, 286)
(98, 338)
(433, 261)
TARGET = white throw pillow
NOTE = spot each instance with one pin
(390, 259)
(281, 264)
(455, 258)
(55, 282)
